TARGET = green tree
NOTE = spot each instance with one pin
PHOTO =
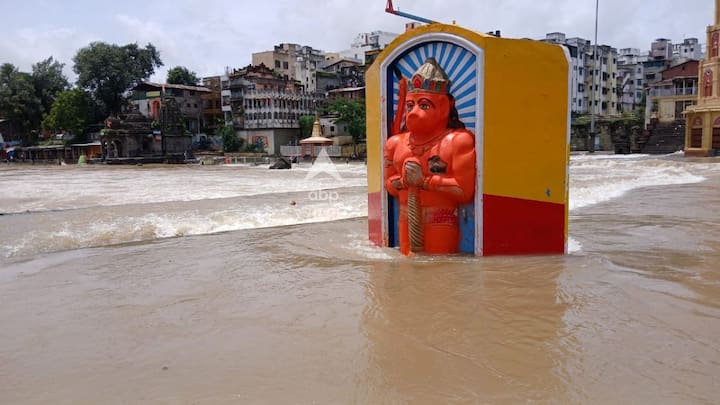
(351, 113)
(49, 80)
(70, 112)
(107, 72)
(18, 101)
(231, 143)
(306, 124)
(181, 75)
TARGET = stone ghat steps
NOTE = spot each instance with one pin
(665, 138)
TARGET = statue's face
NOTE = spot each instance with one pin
(427, 113)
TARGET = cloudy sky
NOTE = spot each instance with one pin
(208, 35)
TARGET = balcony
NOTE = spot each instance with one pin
(659, 92)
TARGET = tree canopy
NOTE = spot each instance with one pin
(70, 112)
(306, 124)
(351, 113)
(181, 75)
(18, 100)
(108, 71)
(231, 143)
(49, 80)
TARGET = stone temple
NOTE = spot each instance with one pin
(131, 137)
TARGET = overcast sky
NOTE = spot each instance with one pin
(207, 35)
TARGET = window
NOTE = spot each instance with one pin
(285, 65)
(638, 82)
(277, 64)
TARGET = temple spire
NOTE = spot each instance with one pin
(317, 129)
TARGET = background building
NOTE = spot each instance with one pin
(293, 61)
(702, 130)
(341, 73)
(148, 99)
(661, 48)
(581, 75)
(630, 81)
(690, 48)
(266, 107)
(212, 113)
(367, 41)
(675, 92)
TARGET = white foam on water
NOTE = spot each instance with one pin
(596, 179)
(142, 198)
(117, 226)
(361, 247)
(56, 188)
(573, 246)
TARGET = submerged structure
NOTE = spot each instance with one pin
(468, 150)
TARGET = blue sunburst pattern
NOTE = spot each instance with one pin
(460, 66)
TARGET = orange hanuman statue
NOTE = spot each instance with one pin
(430, 165)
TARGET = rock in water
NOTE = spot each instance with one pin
(281, 163)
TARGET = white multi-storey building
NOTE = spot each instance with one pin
(690, 48)
(581, 80)
(576, 49)
(630, 79)
(367, 41)
(605, 80)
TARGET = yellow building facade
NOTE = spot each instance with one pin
(522, 151)
(702, 129)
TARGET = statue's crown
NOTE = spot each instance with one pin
(430, 77)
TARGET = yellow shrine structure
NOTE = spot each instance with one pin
(519, 200)
(702, 129)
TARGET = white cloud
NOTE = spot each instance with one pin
(28, 46)
(207, 36)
